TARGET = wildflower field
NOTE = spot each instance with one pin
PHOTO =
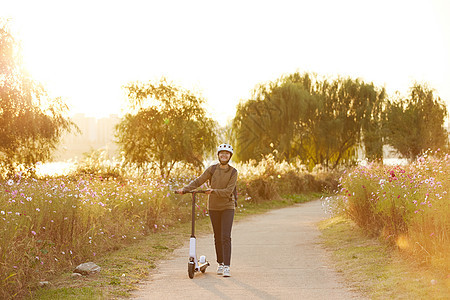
(50, 225)
(407, 206)
(47, 225)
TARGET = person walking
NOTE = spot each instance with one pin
(221, 205)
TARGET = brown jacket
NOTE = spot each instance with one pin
(222, 184)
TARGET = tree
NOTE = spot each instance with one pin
(166, 125)
(349, 115)
(299, 115)
(31, 124)
(251, 131)
(372, 123)
(415, 124)
(269, 121)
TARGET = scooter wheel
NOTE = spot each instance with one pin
(191, 269)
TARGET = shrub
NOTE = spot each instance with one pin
(268, 180)
(407, 206)
(261, 189)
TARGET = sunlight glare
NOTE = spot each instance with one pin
(55, 168)
(402, 242)
(86, 56)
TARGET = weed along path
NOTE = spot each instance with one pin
(275, 255)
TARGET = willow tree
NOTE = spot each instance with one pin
(269, 122)
(166, 125)
(31, 123)
(416, 123)
(299, 115)
(373, 135)
(346, 111)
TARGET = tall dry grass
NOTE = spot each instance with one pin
(407, 206)
(269, 179)
(52, 224)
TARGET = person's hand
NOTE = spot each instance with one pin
(179, 191)
(208, 191)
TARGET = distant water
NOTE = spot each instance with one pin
(395, 161)
(388, 162)
(58, 168)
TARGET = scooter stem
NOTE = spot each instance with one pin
(193, 216)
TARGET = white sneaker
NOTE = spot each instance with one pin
(220, 269)
(226, 271)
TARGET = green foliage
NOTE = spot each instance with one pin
(270, 121)
(31, 124)
(323, 122)
(319, 121)
(415, 124)
(168, 125)
(344, 110)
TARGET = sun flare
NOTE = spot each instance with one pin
(86, 56)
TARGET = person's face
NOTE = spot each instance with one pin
(224, 156)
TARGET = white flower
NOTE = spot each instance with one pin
(10, 182)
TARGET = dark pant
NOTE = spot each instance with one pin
(222, 221)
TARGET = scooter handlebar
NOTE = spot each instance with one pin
(192, 192)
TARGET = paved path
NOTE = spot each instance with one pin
(276, 255)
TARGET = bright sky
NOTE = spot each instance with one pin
(85, 51)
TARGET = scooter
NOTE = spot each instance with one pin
(195, 265)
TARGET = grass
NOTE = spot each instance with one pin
(126, 226)
(376, 269)
(368, 265)
(51, 224)
(72, 293)
(407, 205)
(124, 268)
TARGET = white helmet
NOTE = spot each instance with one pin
(225, 147)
